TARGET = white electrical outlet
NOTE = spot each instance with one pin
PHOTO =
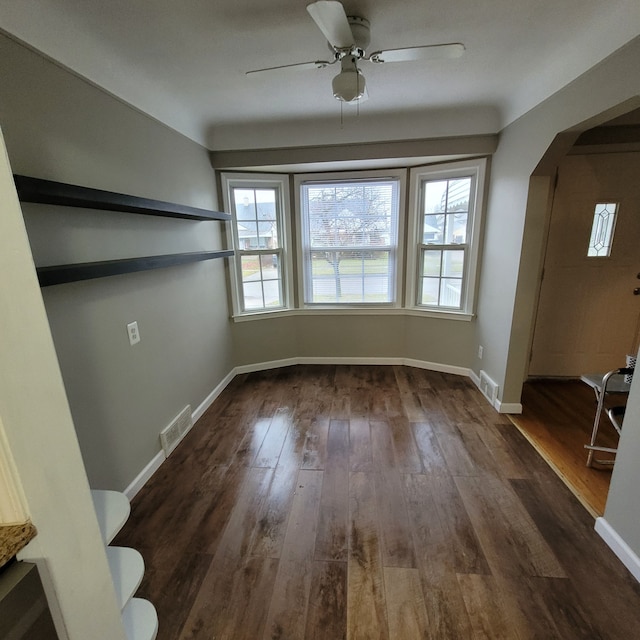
(480, 352)
(134, 334)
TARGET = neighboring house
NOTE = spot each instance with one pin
(259, 231)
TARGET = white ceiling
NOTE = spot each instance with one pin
(184, 62)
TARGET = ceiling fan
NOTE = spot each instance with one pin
(348, 38)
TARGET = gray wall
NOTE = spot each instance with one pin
(514, 234)
(518, 208)
(60, 127)
(434, 340)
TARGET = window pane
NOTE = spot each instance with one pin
(350, 239)
(431, 263)
(435, 196)
(604, 219)
(247, 235)
(269, 266)
(252, 295)
(458, 194)
(456, 228)
(452, 263)
(250, 267)
(433, 229)
(430, 291)
(256, 218)
(450, 292)
(350, 276)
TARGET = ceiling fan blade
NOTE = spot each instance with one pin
(427, 52)
(298, 66)
(331, 19)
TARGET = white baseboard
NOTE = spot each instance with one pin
(349, 360)
(210, 399)
(508, 407)
(436, 366)
(624, 552)
(409, 362)
(140, 480)
(263, 366)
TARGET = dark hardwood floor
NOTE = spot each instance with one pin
(367, 502)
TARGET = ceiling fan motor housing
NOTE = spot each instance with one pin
(360, 28)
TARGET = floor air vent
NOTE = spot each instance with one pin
(488, 387)
(171, 435)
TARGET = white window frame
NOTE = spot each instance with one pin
(229, 181)
(393, 174)
(476, 169)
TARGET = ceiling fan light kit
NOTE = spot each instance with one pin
(349, 85)
(348, 38)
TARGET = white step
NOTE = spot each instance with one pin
(112, 509)
(140, 620)
(127, 569)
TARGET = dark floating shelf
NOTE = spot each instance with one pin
(60, 193)
(61, 274)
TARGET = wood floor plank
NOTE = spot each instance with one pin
(508, 462)
(405, 604)
(327, 611)
(331, 537)
(569, 615)
(272, 520)
(517, 545)
(468, 554)
(316, 433)
(360, 448)
(396, 541)
(288, 608)
(360, 401)
(453, 447)
(431, 456)
(366, 610)
(483, 460)
(436, 557)
(274, 439)
(404, 446)
(483, 603)
(175, 599)
(341, 404)
(237, 608)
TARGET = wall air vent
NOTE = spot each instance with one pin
(488, 387)
(171, 435)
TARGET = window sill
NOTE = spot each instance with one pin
(351, 311)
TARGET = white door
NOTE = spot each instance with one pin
(588, 316)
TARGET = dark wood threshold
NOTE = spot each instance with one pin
(61, 274)
(69, 195)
